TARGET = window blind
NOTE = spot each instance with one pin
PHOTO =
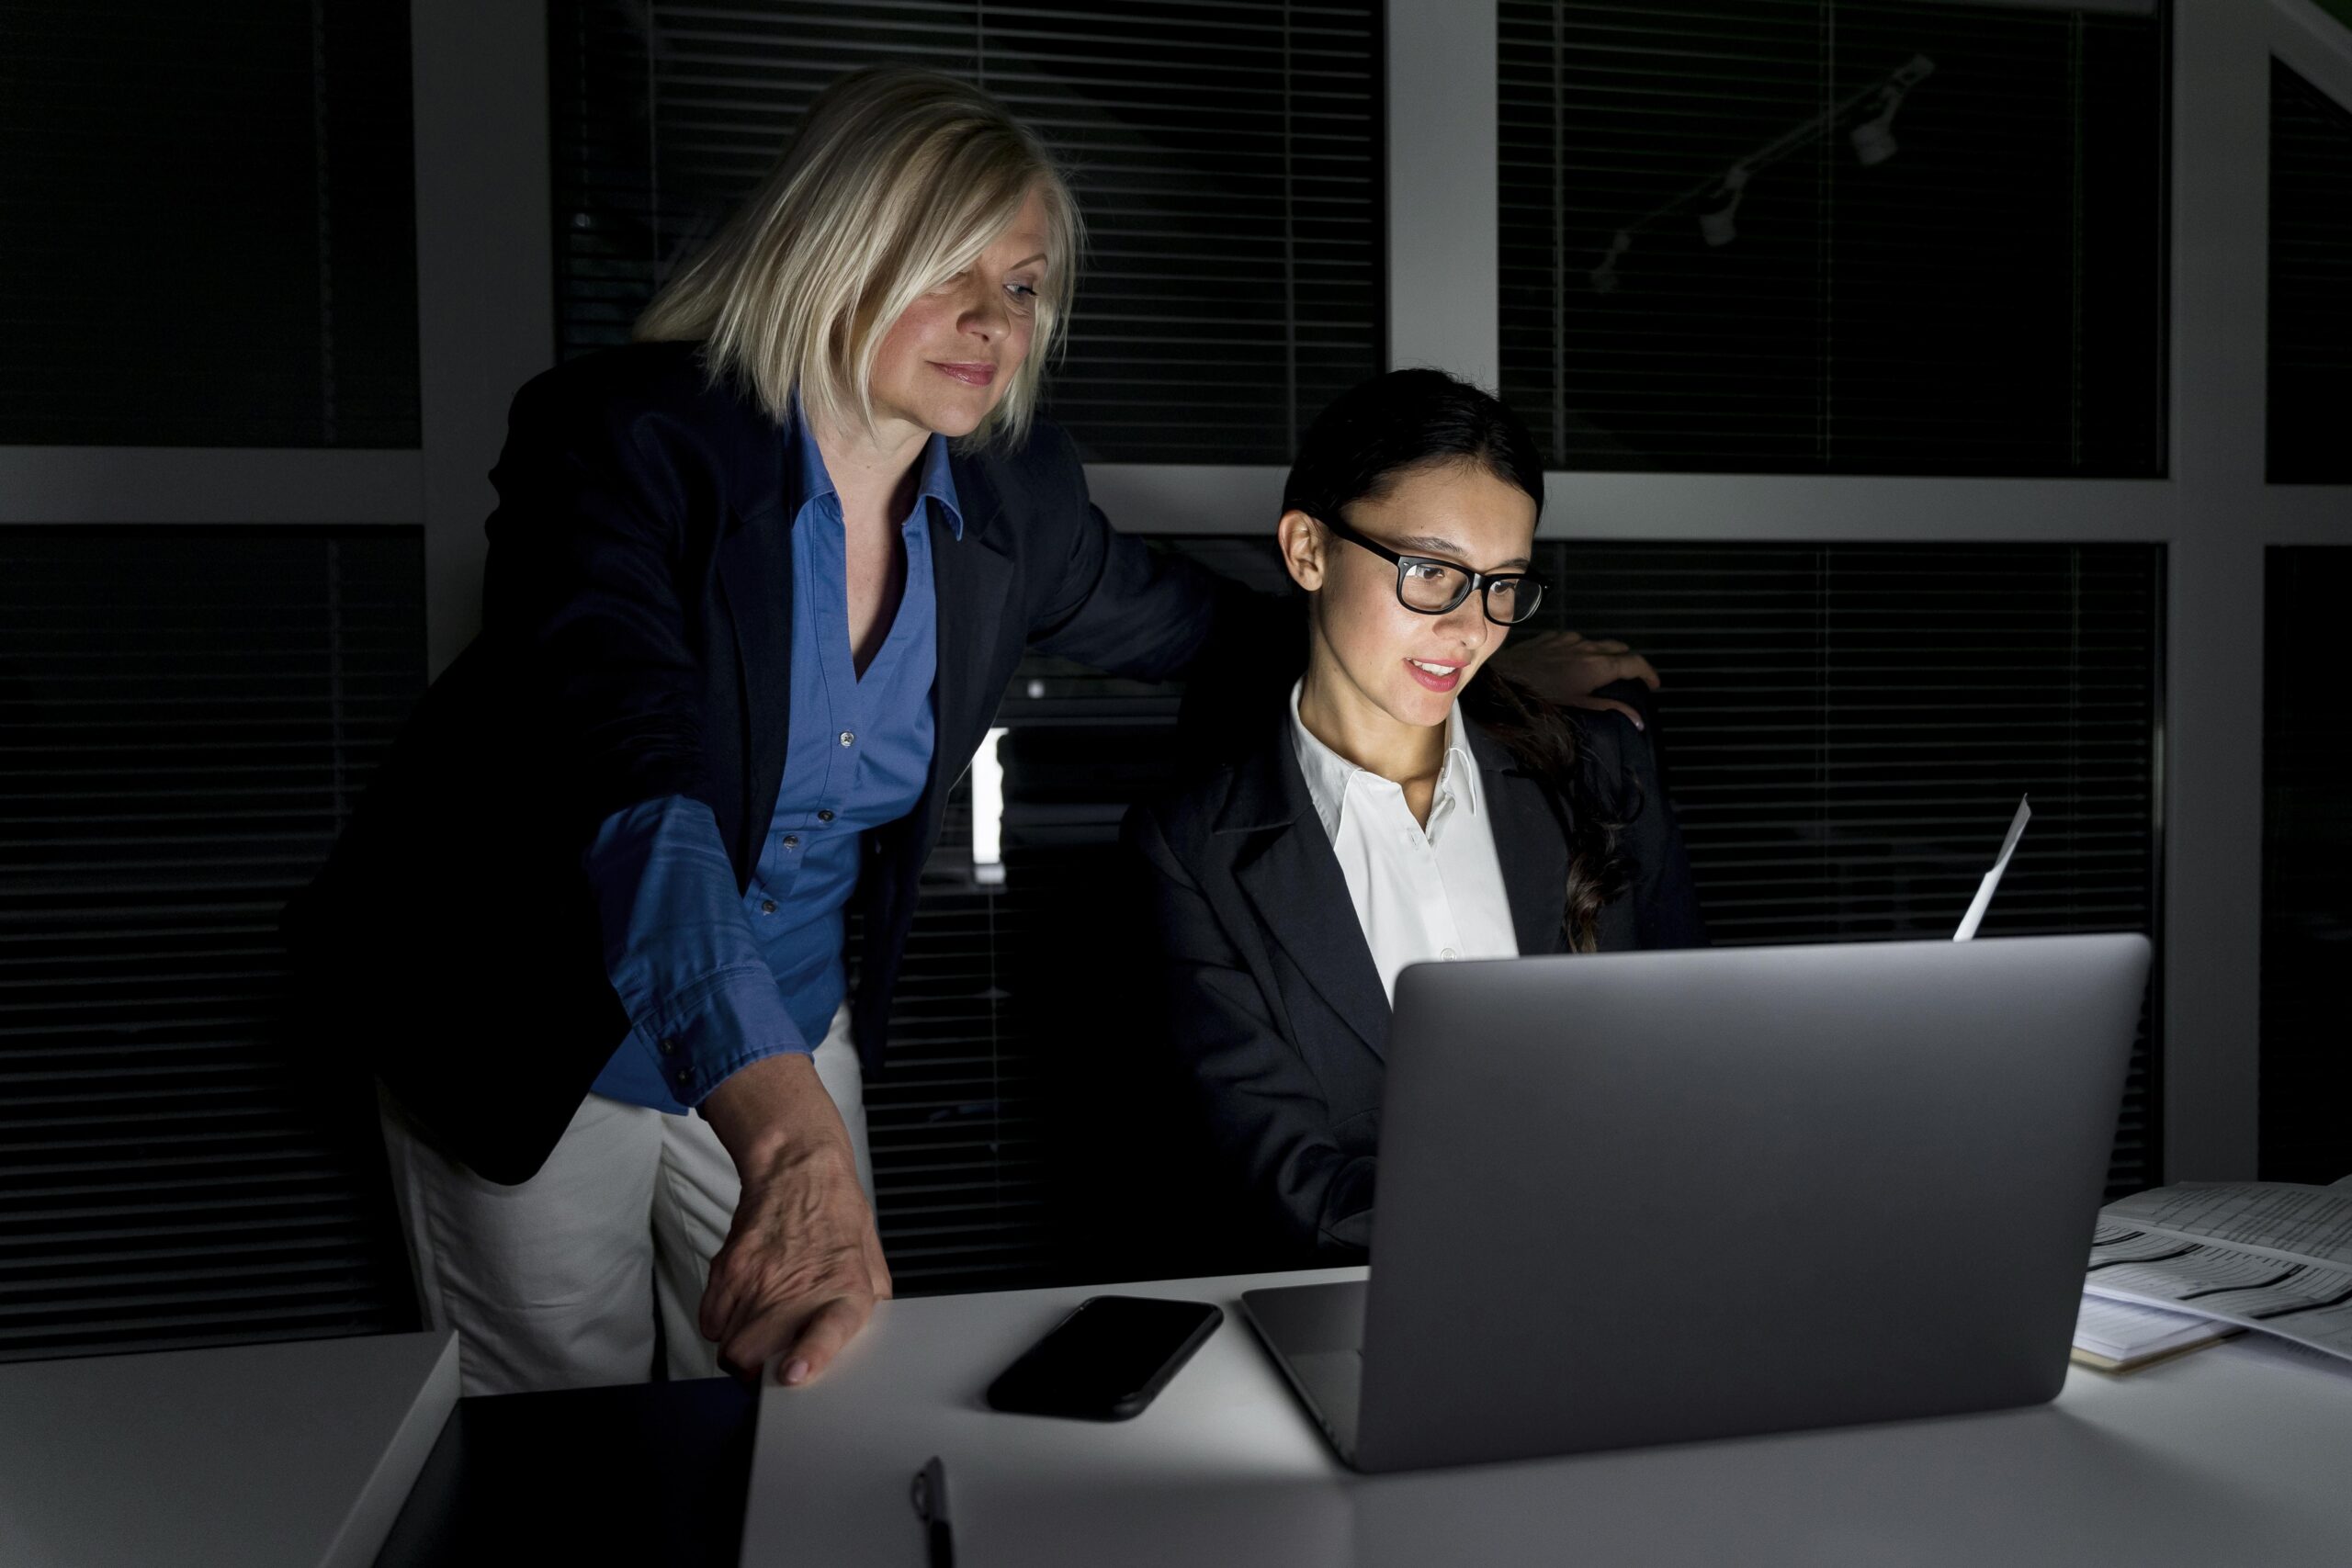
(2306, 865)
(2310, 282)
(962, 1195)
(1227, 158)
(1846, 730)
(187, 714)
(1838, 236)
(210, 222)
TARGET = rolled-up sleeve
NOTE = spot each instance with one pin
(679, 949)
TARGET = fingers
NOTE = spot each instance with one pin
(1634, 667)
(821, 1337)
(1577, 642)
(799, 1333)
(1607, 705)
(1611, 653)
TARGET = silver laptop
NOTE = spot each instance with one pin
(1652, 1197)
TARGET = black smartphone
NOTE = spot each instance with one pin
(1106, 1360)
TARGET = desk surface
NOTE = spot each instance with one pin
(296, 1454)
(2239, 1454)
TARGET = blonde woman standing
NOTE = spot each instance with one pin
(755, 586)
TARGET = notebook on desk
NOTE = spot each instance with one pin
(1641, 1198)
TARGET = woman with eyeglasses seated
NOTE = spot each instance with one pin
(1407, 804)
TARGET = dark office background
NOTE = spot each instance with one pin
(210, 228)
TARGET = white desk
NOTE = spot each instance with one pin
(295, 1455)
(2240, 1454)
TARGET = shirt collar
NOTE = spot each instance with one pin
(1458, 775)
(938, 484)
(934, 483)
(1327, 773)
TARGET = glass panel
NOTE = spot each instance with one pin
(1859, 236)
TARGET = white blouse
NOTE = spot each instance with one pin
(1421, 893)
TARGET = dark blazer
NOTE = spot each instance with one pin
(636, 630)
(1273, 999)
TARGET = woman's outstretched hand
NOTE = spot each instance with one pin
(802, 1266)
(1569, 668)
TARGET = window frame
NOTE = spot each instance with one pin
(486, 323)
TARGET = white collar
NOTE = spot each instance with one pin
(1329, 774)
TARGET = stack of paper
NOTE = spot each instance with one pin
(2117, 1336)
(2269, 1254)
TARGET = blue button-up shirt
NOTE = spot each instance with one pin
(715, 980)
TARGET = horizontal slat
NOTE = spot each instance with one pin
(263, 145)
(1925, 315)
(163, 1177)
(2306, 1074)
(2310, 282)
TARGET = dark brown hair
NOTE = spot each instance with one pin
(1545, 739)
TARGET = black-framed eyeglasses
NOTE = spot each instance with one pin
(1429, 586)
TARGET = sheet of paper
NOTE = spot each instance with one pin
(2270, 1255)
(1984, 899)
(2294, 1221)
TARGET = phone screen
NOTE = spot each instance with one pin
(1106, 1360)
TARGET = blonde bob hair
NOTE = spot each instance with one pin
(896, 181)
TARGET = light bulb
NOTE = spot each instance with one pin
(1873, 140)
(1605, 276)
(1716, 228)
(1873, 143)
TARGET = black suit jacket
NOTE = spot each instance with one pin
(636, 630)
(1272, 999)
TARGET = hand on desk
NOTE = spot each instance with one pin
(802, 1266)
(1568, 668)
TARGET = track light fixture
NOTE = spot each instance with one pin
(1715, 226)
(1873, 140)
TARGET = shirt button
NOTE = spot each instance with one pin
(670, 1046)
(1447, 952)
(686, 1075)
(824, 816)
(792, 840)
(848, 737)
(767, 905)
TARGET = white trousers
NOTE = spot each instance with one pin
(560, 1283)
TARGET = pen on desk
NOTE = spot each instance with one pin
(930, 1505)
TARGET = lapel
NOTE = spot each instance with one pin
(755, 582)
(1285, 868)
(1530, 841)
(972, 589)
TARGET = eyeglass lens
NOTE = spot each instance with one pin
(1433, 588)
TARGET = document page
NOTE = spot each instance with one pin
(1984, 899)
(2273, 1255)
